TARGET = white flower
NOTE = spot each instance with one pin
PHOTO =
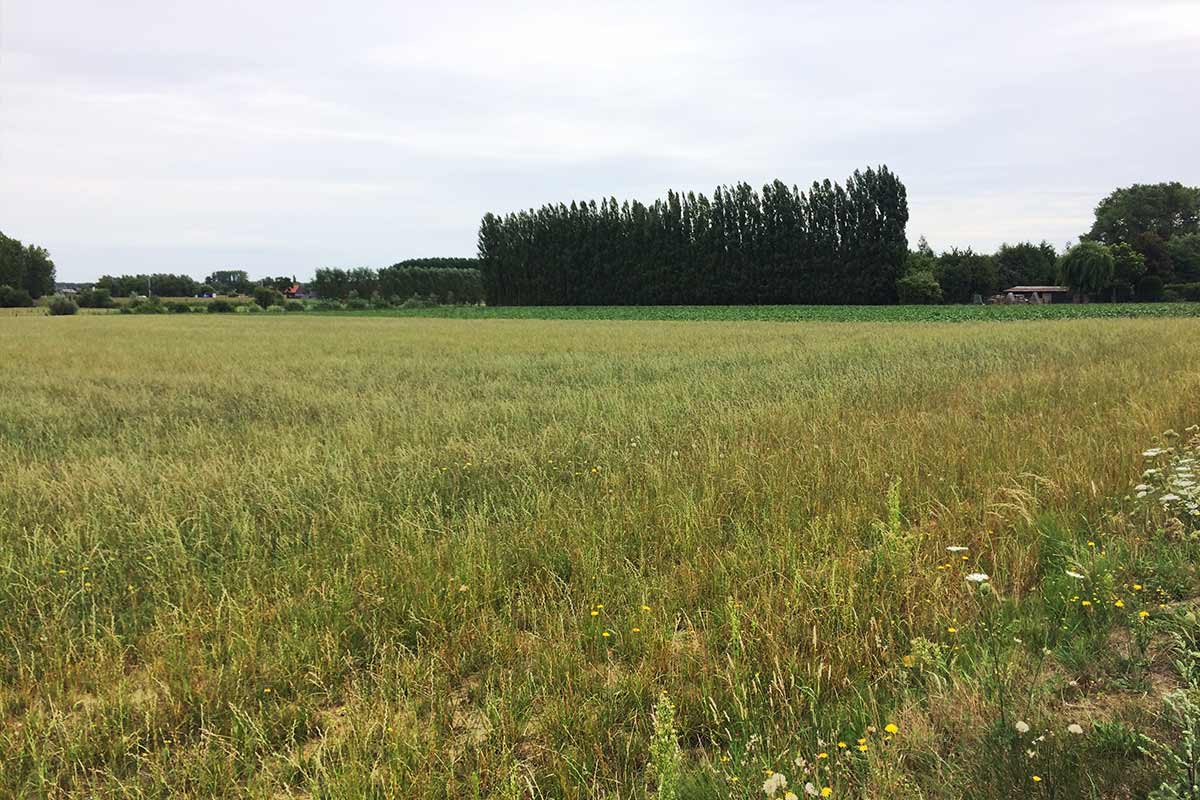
(1152, 452)
(1022, 727)
(810, 790)
(1168, 498)
(774, 783)
(1074, 728)
(956, 548)
(1142, 494)
(1075, 575)
(1142, 487)
(977, 577)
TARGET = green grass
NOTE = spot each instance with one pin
(952, 313)
(312, 555)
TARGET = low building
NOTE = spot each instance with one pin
(1038, 294)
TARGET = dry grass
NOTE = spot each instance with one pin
(329, 556)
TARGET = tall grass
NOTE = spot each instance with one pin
(436, 558)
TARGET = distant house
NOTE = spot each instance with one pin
(1037, 294)
(296, 290)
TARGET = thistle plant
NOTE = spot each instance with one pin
(664, 749)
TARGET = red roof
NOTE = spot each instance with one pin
(294, 290)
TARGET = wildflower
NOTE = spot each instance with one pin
(1085, 603)
(1168, 498)
(1037, 779)
(267, 690)
(1152, 452)
(1091, 544)
(951, 630)
(956, 549)
(1142, 487)
(810, 790)
(606, 634)
(645, 608)
(871, 729)
(891, 728)
(1075, 575)
(1143, 614)
(862, 748)
(1119, 604)
(842, 745)
(1075, 728)
(790, 796)
(862, 741)
(1022, 726)
(600, 605)
(774, 783)
(977, 577)
(635, 630)
(62, 572)
(1137, 587)
(826, 791)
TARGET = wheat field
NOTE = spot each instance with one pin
(306, 556)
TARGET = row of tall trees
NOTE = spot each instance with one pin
(25, 269)
(159, 284)
(830, 244)
(399, 282)
(1160, 221)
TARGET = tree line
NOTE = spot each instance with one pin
(26, 272)
(1144, 245)
(399, 282)
(833, 243)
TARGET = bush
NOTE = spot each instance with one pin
(94, 298)
(293, 305)
(416, 301)
(328, 305)
(220, 307)
(147, 305)
(267, 296)
(62, 306)
(1150, 289)
(273, 309)
(176, 307)
(357, 304)
(1185, 291)
(919, 288)
(249, 308)
(14, 298)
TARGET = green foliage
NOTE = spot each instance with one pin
(439, 263)
(62, 306)
(964, 275)
(1164, 210)
(25, 268)
(220, 307)
(1026, 264)
(177, 307)
(665, 755)
(1087, 268)
(1185, 256)
(293, 306)
(830, 244)
(229, 281)
(147, 305)
(452, 285)
(11, 297)
(1129, 266)
(1150, 289)
(919, 288)
(161, 284)
(267, 296)
(1185, 291)
(91, 297)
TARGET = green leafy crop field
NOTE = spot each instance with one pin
(933, 313)
(321, 556)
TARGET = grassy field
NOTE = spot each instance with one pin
(320, 556)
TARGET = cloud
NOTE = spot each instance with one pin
(285, 136)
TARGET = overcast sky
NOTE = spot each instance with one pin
(280, 135)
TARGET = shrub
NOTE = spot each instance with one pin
(293, 305)
(147, 305)
(1150, 289)
(249, 308)
(94, 298)
(328, 305)
(357, 304)
(273, 309)
(14, 298)
(417, 301)
(1185, 291)
(176, 307)
(62, 306)
(267, 296)
(919, 288)
(220, 307)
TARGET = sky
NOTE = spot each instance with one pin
(279, 136)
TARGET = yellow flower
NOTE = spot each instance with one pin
(951, 630)
(1085, 603)
(862, 741)
(595, 613)
(1037, 778)
(1137, 587)
(267, 690)
(599, 605)
(1143, 614)
(891, 728)
(826, 791)
(842, 745)
(645, 608)
(636, 630)
(1119, 604)
(1090, 544)
(862, 748)
(822, 755)
(605, 634)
